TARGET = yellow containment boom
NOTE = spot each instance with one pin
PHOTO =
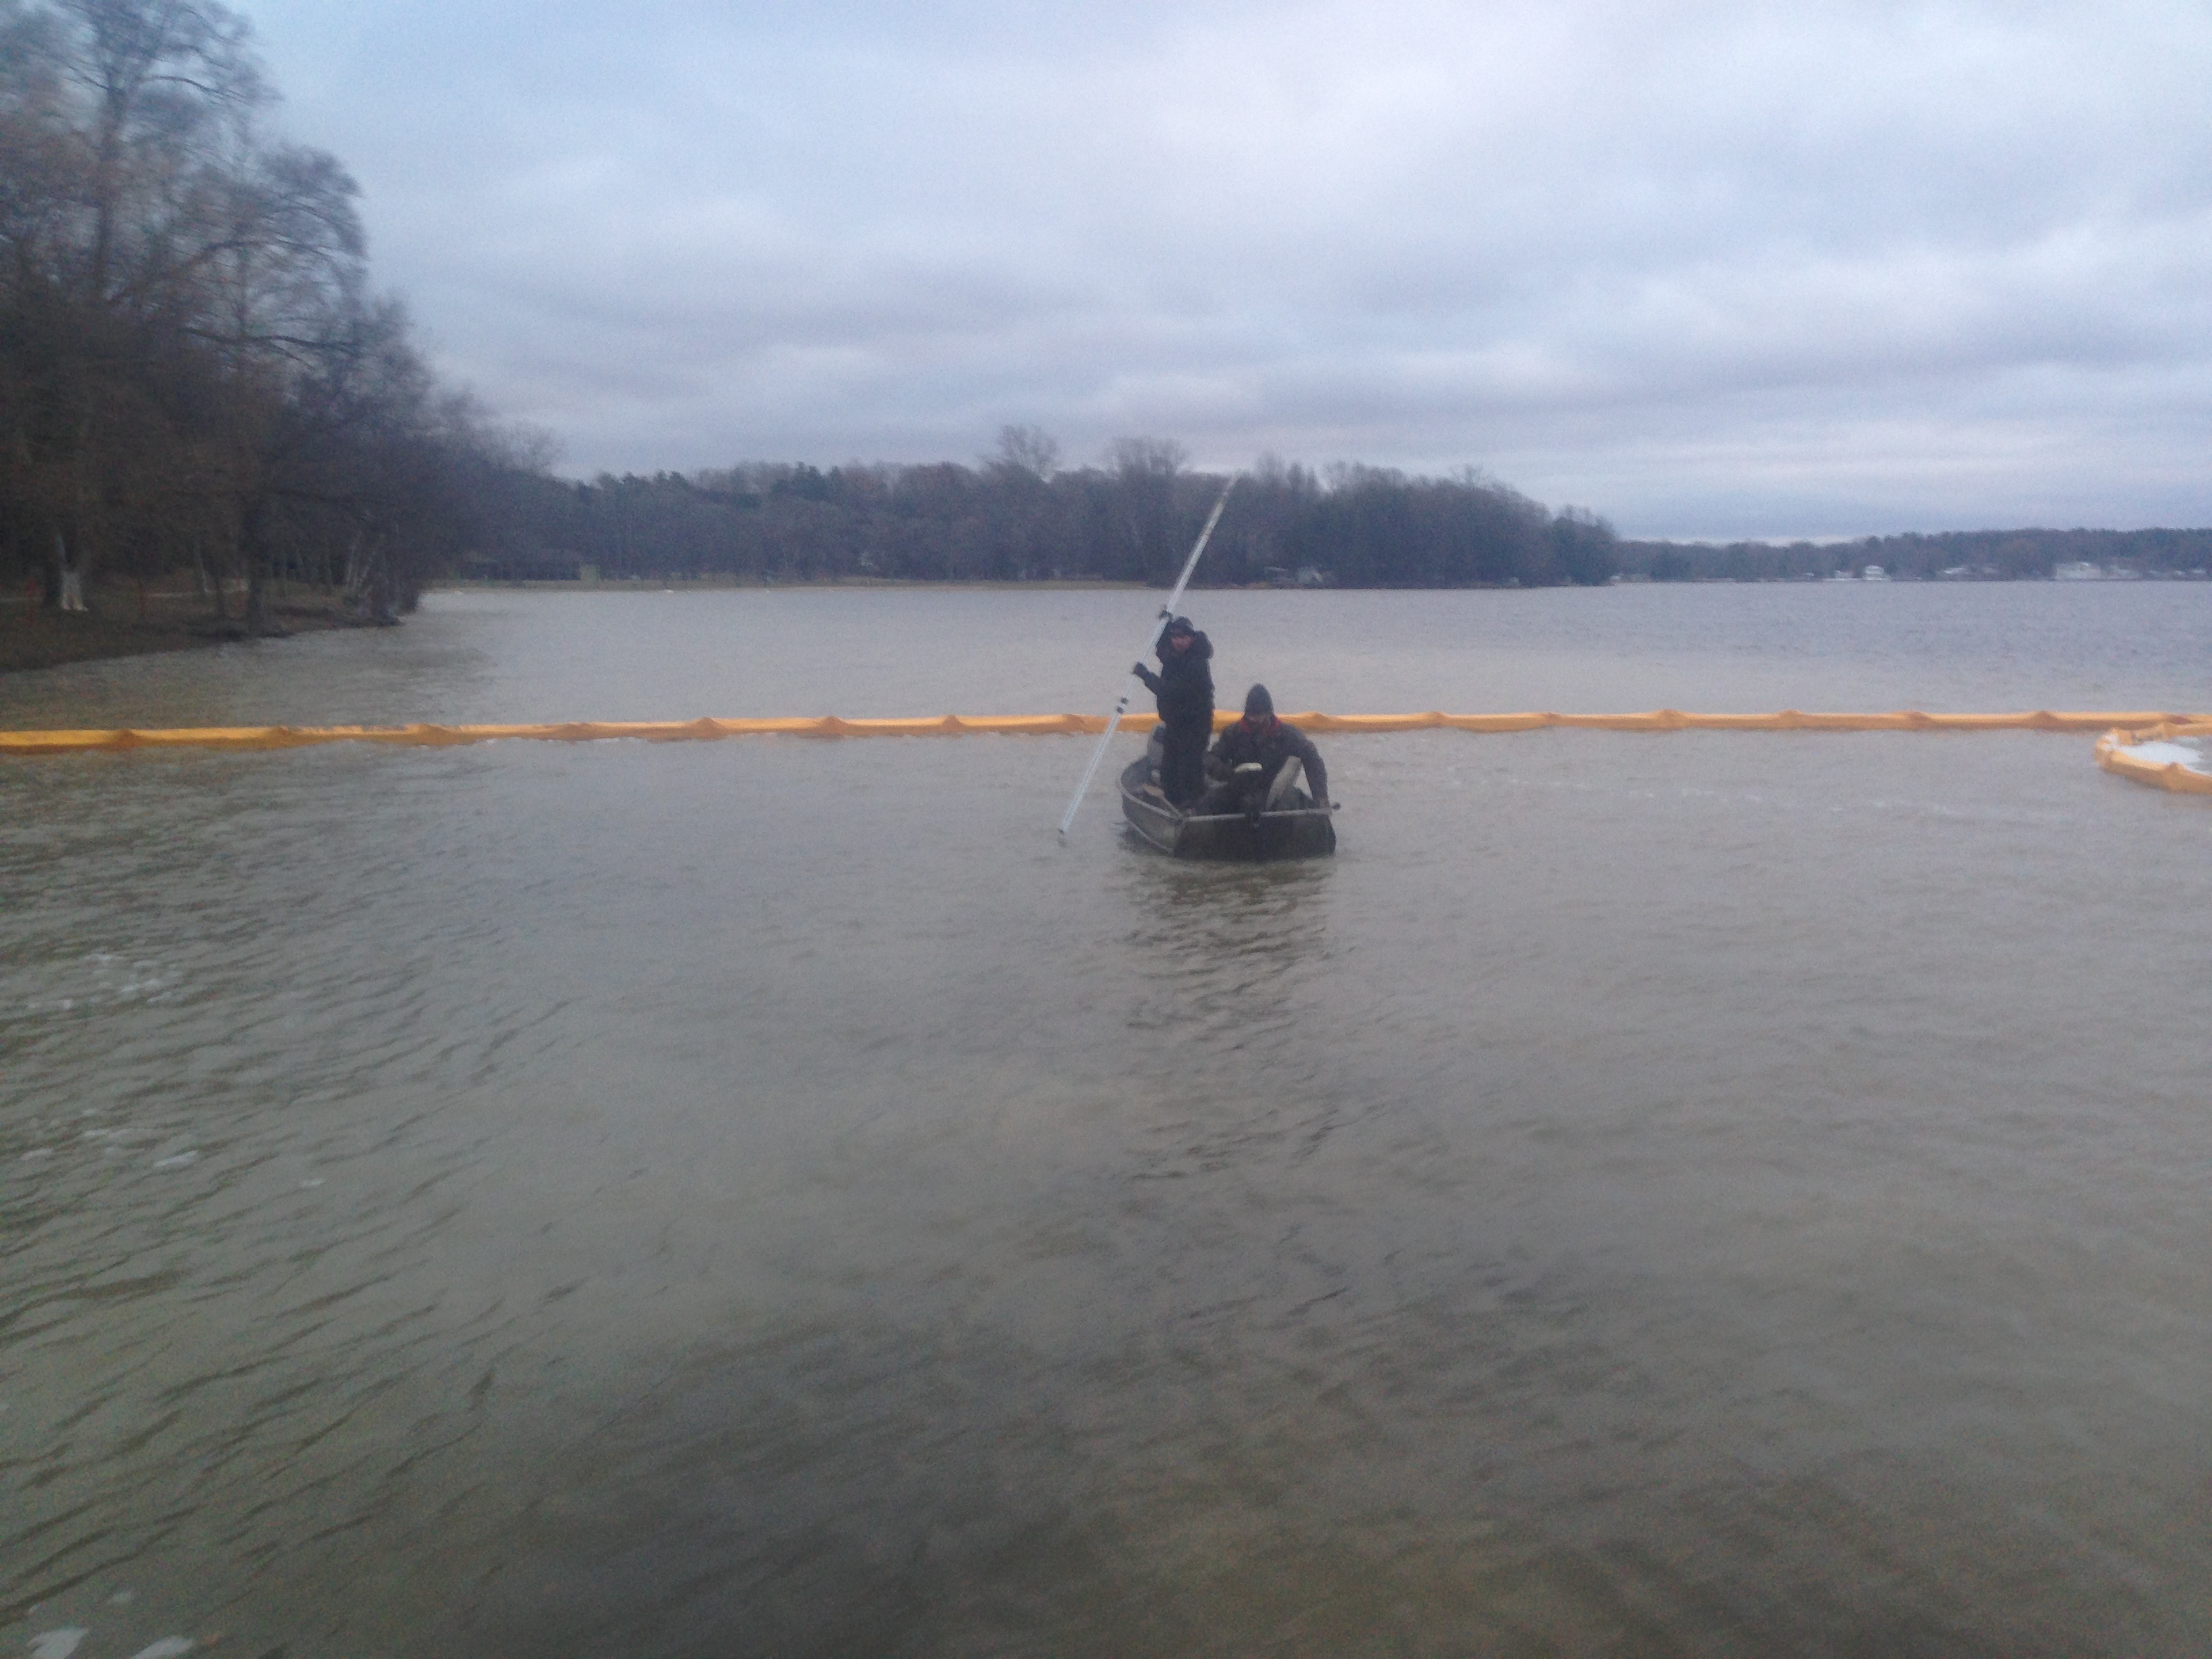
(2152, 756)
(950, 725)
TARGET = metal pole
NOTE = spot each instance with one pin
(1151, 640)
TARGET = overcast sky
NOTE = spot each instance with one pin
(1712, 269)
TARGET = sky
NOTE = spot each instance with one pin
(1710, 268)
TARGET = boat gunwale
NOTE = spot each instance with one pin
(1162, 826)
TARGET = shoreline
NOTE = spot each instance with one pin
(35, 639)
(730, 584)
(56, 639)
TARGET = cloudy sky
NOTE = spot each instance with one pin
(1713, 268)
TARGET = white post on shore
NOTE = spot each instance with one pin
(1151, 641)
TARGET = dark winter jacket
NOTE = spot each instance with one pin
(1271, 745)
(1184, 685)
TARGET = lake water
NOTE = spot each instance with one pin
(1709, 1192)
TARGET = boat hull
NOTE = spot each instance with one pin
(1301, 830)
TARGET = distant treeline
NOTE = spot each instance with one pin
(194, 375)
(1019, 516)
(196, 378)
(1956, 555)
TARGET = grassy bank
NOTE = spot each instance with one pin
(121, 623)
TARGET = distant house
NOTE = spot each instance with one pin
(2081, 570)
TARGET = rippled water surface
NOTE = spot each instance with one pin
(1715, 1192)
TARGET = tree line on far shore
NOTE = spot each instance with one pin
(195, 375)
(1018, 515)
(197, 379)
(1953, 556)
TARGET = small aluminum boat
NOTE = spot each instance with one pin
(1290, 826)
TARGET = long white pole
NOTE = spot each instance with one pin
(1151, 640)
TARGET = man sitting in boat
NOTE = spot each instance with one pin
(1261, 740)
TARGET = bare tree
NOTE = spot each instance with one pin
(194, 369)
(1146, 470)
(111, 121)
(1025, 451)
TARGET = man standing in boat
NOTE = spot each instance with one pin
(1259, 739)
(1184, 687)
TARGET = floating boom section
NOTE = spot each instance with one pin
(2161, 756)
(2117, 724)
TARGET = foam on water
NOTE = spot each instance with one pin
(2167, 751)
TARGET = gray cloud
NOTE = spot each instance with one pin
(1712, 267)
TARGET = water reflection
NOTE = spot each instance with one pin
(1227, 945)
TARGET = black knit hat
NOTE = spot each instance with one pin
(1257, 703)
(1180, 625)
